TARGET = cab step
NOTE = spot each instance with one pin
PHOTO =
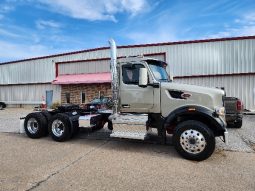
(130, 126)
(129, 135)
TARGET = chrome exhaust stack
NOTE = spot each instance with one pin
(115, 80)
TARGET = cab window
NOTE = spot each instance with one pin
(130, 73)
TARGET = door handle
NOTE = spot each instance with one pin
(125, 105)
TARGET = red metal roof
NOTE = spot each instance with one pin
(95, 78)
(135, 46)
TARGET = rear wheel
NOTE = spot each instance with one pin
(194, 140)
(60, 127)
(35, 125)
(48, 117)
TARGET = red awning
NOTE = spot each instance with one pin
(95, 78)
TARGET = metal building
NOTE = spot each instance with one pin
(228, 63)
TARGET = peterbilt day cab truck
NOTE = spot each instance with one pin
(141, 87)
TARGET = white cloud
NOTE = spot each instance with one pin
(4, 8)
(99, 10)
(7, 50)
(17, 33)
(42, 24)
(154, 36)
(244, 26)
(250, 17)
(162, 28)
(4, 32)
(243, 31)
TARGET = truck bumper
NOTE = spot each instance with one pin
(231, 119)
(225, 134)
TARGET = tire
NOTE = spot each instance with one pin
(76, 128)
(110, 126)
(2, 105)
(194, 140)
(35, 125)
(236, 125)
(48, 117)
(100, 124)
(60, 127)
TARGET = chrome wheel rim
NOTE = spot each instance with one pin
(58, 128)
(192, 141)
(32, 126)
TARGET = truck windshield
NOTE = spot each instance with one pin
(158, 70)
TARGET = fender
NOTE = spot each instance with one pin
(73, 118)
(199, 112)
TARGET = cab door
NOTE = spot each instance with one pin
(132, 97)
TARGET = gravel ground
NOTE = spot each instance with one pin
(9, 119)
(242, 139)
(87, 164)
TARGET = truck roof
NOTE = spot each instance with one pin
(137, 59)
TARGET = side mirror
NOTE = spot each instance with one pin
(143, 77)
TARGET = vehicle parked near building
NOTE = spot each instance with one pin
(141, 88)
(103, 102)
(234, 108)
(2, 105)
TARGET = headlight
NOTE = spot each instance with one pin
(220, 111)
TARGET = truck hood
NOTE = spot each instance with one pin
(203, 96)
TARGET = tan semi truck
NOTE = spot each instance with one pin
(145, 99)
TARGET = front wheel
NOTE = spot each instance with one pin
(194, 140)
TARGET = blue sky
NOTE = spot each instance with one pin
(30, 28)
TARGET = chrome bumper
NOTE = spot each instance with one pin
(226, 137)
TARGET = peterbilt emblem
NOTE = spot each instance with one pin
(186, 95)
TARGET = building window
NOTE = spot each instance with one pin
(83, 97)
(67, 97)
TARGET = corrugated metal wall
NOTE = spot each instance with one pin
(242, 86)
(224, 57)
(159, 57)
(84, 67)
(28, 94)
(38, 71)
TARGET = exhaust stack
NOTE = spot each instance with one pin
(115, 80)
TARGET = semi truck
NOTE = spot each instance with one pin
(144, 99)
